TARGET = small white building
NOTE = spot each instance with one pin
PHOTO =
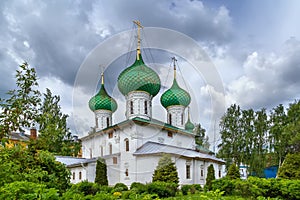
(132, 148)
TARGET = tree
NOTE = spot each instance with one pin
(258, 154)
(166, 170)
(101, 172)
(290, 167)
(54, 135)
(20, 164)
(248, 134)
(278, 139)
(210, 177)
(233, 172)
(292, 128)
(200, 134)
(21, 108)
(231, 135)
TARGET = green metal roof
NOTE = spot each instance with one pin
(189, 126)
(102, 101)
(139, 77)
(175, 96)
(139, 120)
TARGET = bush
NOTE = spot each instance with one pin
(185, 189)
(105, 189)
(224, 184)
(71, 195)
(197, 187)
(190, 188)
(138, 187)
(246, 189)
(162, 189)
(120, 187)
(233, 172)
(27, 190)
(102, 195)
(255, 187)
(290, 167)
(86, 188)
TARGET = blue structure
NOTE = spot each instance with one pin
(270, 172)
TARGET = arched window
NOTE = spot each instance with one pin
(126, 144)
(107, 122)
(110, 149)
(80, 176)
(131, 107)
(73, 175)
(146, 107)
(170, 118)
(188, 171)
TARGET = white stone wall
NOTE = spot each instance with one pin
(101, 117)
(141, 168)
(150, 133)
(76, 171)
(177, 116)
(138, 99)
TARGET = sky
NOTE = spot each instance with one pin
(252, 49)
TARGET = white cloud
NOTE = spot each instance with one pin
(269, 78)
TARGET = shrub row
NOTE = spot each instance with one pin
(120, 190)
(255, 187)
(191, 188)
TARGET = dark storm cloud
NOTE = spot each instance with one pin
(56, 36)
(53, 36)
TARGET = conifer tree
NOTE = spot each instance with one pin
(233, 172)
(210, 177)
(166, 170)
(101, 172)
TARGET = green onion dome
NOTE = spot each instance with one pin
(175, 96)
(139, 77)
(102, 101)
(189, 126)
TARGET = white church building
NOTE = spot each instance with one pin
(132, 148)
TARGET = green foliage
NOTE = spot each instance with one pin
(23, 109)
(224, 184)
(85, 188)
(278, 139)
(233, 172)
(120, 187)
(18, 164)
(27, 190)
(199, 135)
(255, 187)
(19, 111)
(258, 140)
(290, 168)
(166, 170)
(191, 188)
(210, 177)
(162, 189)
(101, 172)
(292, 129)
(138, 187)
(54, 135)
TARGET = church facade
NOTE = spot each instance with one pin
(132, 148)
